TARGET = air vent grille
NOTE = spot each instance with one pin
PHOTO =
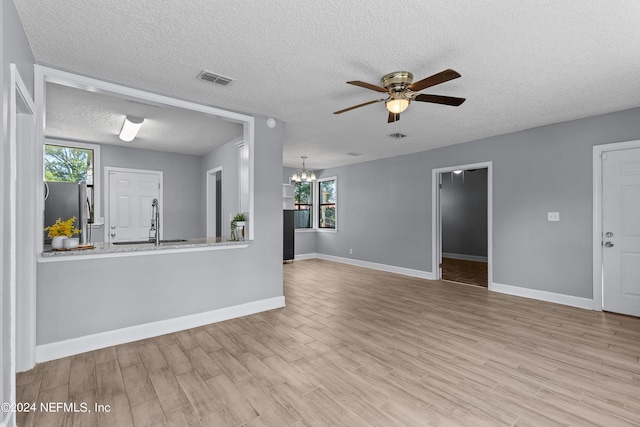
(215, 78)
(398, 135)
(354, 154)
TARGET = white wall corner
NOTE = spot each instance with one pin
(57, 350)
(563, 299)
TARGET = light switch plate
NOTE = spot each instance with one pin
(553, 216)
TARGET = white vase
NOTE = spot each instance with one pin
(57, 242)
(71, 243)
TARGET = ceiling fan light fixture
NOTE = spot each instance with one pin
(397, 105)
(130, 128)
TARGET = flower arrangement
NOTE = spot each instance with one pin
(62, 228)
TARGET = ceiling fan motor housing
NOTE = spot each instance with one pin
(397, 81)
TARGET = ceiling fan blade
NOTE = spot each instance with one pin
(393, 117)
(357, 106)
(436, 79)
(368, 86)
(438, 99)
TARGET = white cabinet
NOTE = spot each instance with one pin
(287, 196)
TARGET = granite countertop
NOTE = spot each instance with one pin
(110, 248)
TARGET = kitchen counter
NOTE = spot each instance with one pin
(109, 249)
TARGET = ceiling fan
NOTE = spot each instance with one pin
(401, 89)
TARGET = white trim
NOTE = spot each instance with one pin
(373, 265)
(598, 151)
(57, 350)
(436, 239)
(317, 204)
(22, 339)
(43, 74)
(465, 257)
(301, 257)
(563, 299)
(107, 194)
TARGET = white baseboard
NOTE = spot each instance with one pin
(373, 265)
(465, 257)
(569, 300)
(57, 350)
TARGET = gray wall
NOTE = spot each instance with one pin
(463, 204)
(112, 293)
(384, 206)
(183, 206)
(15, 49)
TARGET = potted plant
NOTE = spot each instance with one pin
(239, 220)
(61, 231)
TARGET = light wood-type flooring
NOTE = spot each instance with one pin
(359, 347)
(464, 271)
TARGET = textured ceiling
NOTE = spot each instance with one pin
(80, 115)
(523, 63)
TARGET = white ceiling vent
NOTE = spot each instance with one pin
(215, 78)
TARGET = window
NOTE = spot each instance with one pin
(66, 161)
(303, 204)
(327, 203)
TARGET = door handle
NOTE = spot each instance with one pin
(609, 244)
(113, 227)
(114, 235)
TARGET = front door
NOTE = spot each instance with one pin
(131, 195)
(621, 231)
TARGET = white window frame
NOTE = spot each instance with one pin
(97, 187)
(316, 205)
(313, 227)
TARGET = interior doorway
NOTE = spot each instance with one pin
(214, 203)
(463, 216)
(462, 219)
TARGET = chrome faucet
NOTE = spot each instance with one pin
(154, 232)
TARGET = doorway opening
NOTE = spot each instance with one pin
(462, 220)
(214, 204)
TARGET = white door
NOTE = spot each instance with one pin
(131, 195)
(621, 231)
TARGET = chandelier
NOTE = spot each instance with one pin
(304, 174)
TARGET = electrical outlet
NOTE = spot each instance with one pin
(350, 251)
(553, 216)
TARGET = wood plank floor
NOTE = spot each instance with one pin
(464, 271)
(358, 347)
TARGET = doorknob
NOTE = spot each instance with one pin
(608, 244)
(114, 235)
(609, 234)
(113, 227)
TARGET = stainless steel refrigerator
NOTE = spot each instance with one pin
(64, 200)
